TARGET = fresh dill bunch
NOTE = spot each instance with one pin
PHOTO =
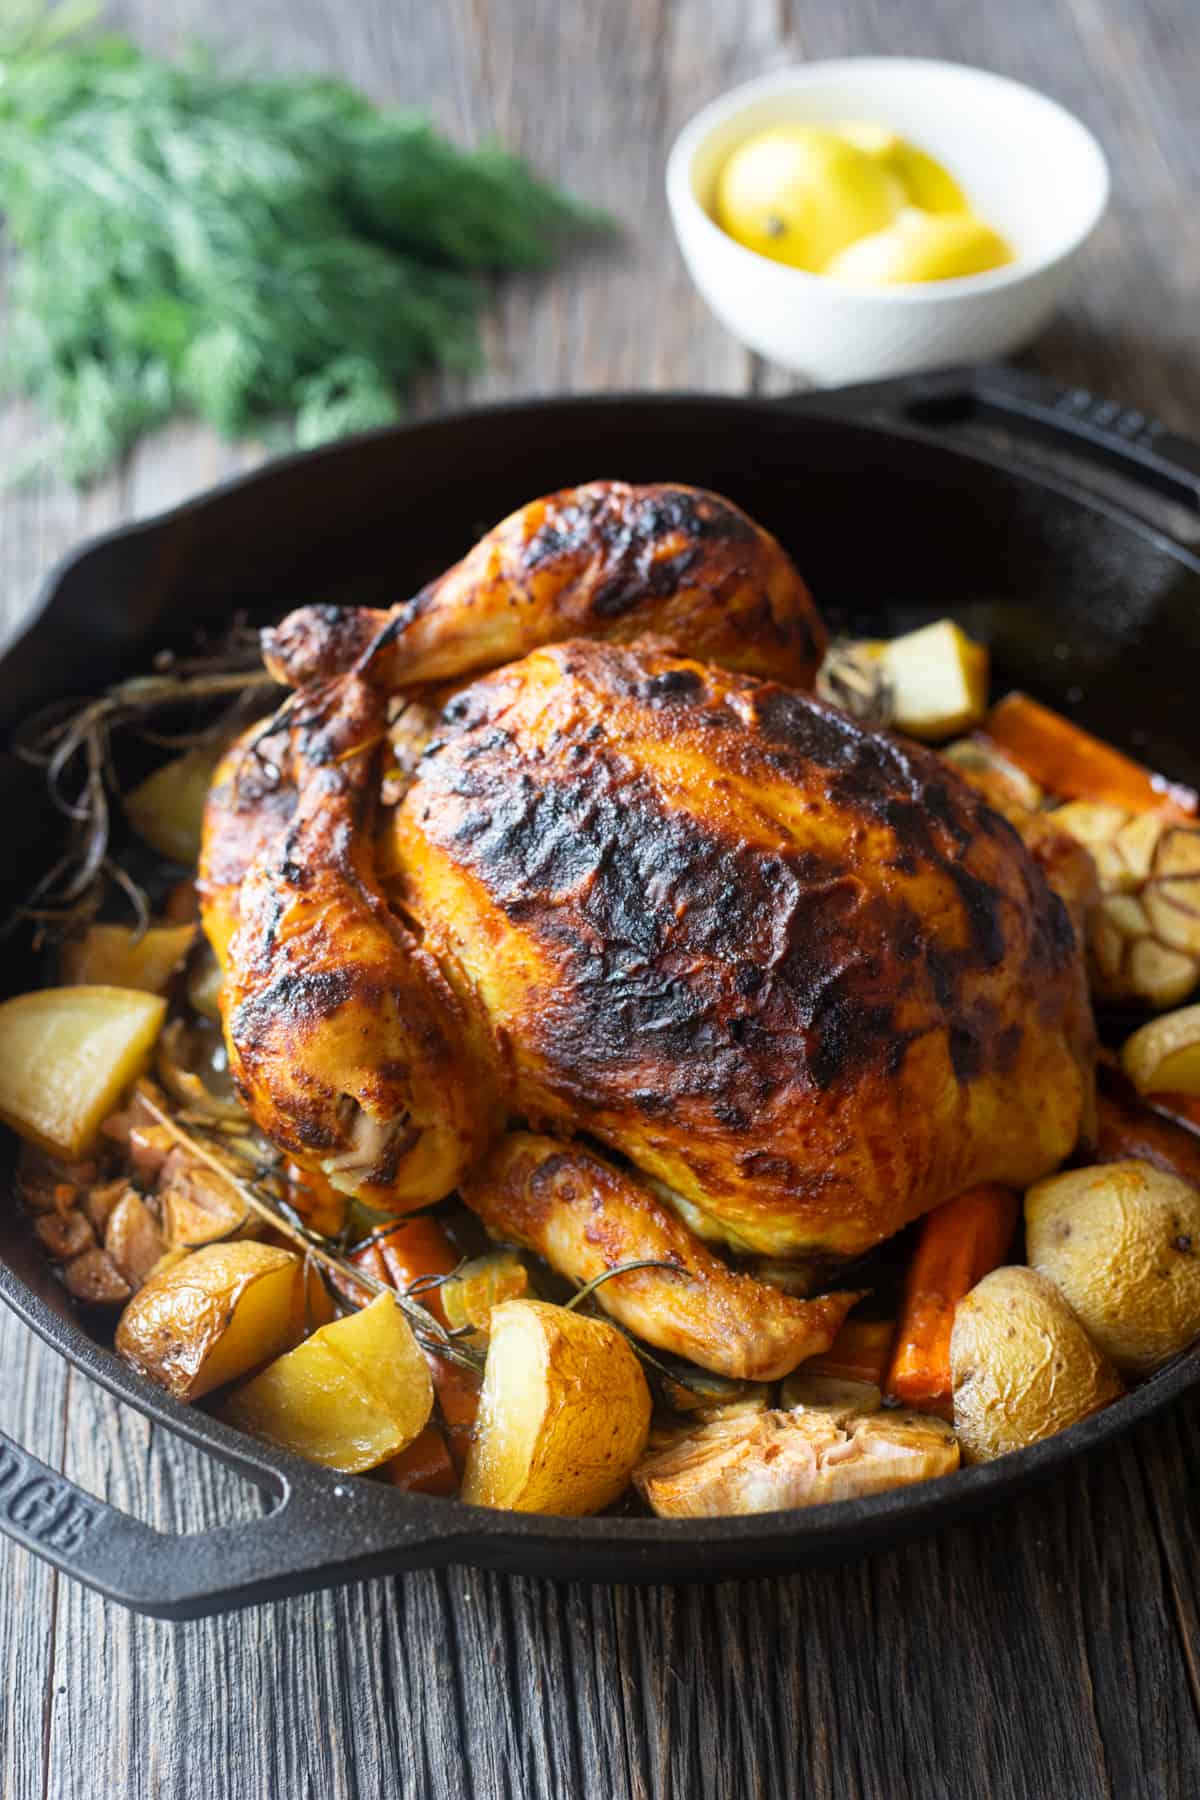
(189, 240)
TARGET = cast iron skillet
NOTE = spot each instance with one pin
(1081, 602)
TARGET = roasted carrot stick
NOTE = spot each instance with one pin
(859, 1352)
(321, 1207)
(402, 1254)
(182, 906)
(408, 1250)
(959, 1244)
(1073, 765)
(1182, 1109)
(425, 1467)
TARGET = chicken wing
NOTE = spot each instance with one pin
(607, 560)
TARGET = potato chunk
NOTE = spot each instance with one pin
(1022, 1365)
(354, 1394)
(1164, 1056)
(563, 1416)
(772, 1461)
(167, 809)
(115, 956)
(1122, 1243)
(66, 1056)
(211, 1317)
(938, 679)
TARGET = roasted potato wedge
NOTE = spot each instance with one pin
(1022, 1365)
(771, 1461)
(116, 956)
(211, 1317)
(167, 809)
(563, 1416)
(1163, 1057)
(66, 1056)
(353, 1395)
(1122, 1243)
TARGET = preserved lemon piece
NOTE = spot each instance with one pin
(66, 1056)
(352, 1395)
(921, 246)
(1164, 1056)
(926, 183)
(117, 956)
(800, 193)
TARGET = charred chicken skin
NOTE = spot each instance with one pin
(797, 975)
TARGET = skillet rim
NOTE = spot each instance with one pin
(820, 404)
(457, 1531)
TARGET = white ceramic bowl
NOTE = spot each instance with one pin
(1028, 167)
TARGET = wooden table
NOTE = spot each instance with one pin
(1050, 1651)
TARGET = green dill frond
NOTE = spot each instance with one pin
(240, 249)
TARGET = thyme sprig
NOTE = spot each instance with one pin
(428, 1331)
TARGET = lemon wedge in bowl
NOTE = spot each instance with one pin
(801, 193)
(921, 246)
(925, 182)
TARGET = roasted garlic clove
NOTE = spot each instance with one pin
(1144, 933)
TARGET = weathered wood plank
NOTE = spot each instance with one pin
(1054, 1649)
(33, 1409)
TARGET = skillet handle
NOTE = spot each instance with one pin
(319, 1534)
(1120, 437)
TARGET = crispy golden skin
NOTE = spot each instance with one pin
(346, 1041)
(792, 968)
(586, 1216)
(607, 560)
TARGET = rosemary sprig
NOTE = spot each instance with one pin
(626, 1268)
(71, 742)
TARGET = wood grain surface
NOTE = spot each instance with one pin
(1049, 1651)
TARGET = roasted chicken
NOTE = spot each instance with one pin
(794, 975)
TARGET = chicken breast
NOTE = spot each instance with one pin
(790, 967)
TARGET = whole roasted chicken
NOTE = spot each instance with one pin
(644, 950)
